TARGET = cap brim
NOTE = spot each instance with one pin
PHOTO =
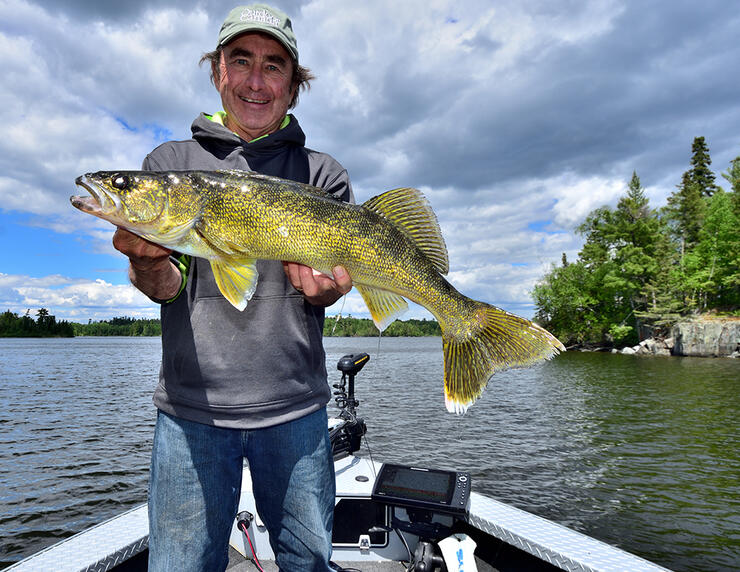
(257, 30)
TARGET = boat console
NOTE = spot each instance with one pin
(422, 502)
(435, 490)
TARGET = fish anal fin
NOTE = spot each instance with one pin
(236, 278)
(384, 306)
(409, 211)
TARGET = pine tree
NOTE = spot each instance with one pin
(685, 211)
(701, 174)
(620, 253)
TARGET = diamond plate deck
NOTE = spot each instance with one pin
(96, 549)
(551, 542)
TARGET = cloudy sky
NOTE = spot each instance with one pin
(515, 117)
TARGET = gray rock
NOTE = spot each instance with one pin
(706, 338)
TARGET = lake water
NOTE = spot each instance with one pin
(640, 452)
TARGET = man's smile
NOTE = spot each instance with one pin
(251, 100)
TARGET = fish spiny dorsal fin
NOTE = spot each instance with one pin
(409, 210)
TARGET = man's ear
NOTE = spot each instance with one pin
(216, 73)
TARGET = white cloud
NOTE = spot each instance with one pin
(577, 196)
(78, 97)
(73, 299)
(515, 118)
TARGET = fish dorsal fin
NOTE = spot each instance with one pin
(237, 279)
(384, 306)
(409, 211)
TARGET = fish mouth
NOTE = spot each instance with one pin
(100, 203)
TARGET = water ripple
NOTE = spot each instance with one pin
(639, 452)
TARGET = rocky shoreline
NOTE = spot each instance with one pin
(704, 337)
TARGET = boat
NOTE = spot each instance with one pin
(387, 516)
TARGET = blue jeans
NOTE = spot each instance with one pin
(195, 483)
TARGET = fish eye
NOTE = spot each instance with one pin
(119, 182)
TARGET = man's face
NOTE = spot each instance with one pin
(254, 80)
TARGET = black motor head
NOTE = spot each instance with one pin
(352, 363)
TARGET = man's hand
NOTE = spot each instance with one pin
(318, 289)
(150, 269)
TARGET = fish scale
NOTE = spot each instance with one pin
(391, 246)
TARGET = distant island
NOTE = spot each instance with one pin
(349, 327)
(46, 326)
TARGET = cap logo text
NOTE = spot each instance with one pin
(260, 16)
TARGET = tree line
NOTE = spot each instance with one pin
(349, 327)
(642, 269)
(120, 326)
(46, 325)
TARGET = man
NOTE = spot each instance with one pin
(242, 384)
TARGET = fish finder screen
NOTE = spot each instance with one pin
(416, 484)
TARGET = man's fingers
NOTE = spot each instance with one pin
(342, 279)
(136, 247)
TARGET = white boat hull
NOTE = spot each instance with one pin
(120, 540)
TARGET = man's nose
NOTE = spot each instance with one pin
(255, 79)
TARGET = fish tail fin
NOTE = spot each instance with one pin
(483, 341)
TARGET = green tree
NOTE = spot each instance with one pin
(46, 325)
(609, 292)
(701, 174)
(620, 253)
(686, 207)
(567, 304)
(685, 212)
(733, 177)
(712, 268)
(640, 268)
(9, 324)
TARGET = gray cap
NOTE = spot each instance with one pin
(259, 18)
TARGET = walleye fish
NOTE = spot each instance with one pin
(391, 246)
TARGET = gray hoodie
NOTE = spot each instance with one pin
(265, 365)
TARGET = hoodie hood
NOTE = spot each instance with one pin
(269, 154)
(212, 132)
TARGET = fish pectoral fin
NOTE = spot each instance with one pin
(223, 246)
(384, 306)
(170, 237)
(237, 279)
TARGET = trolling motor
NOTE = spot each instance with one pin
(346, 437)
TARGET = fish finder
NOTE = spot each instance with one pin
(435, 490)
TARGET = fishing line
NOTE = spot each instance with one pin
(461, 425)
(370, 454)
(339, 315)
